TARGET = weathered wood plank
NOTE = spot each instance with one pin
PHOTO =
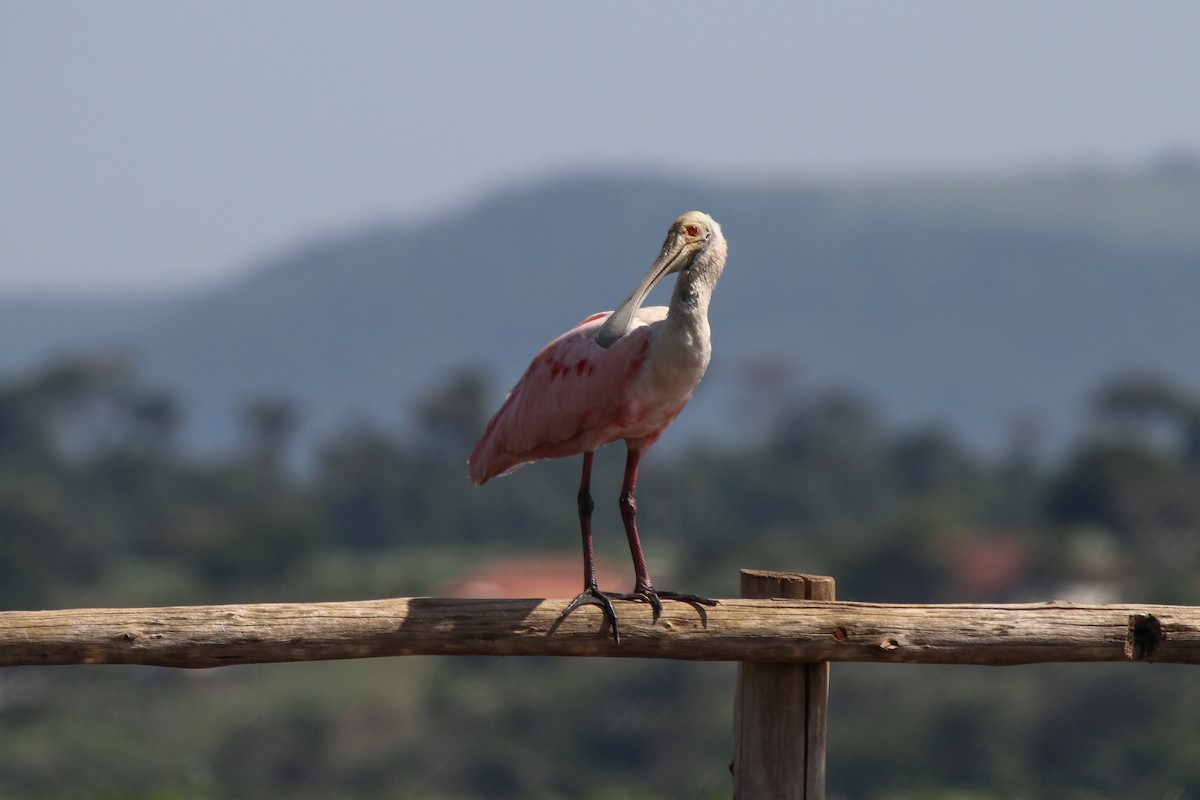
(780, 708)
(735, 630)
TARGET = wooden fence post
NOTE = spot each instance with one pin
(780, 708)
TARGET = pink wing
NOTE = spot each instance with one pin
(574, 397)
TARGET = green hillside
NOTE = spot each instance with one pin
(974, 301)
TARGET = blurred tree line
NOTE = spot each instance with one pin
(99, 506)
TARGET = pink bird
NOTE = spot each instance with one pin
(624, 374)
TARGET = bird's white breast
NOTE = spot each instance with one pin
(676, 360)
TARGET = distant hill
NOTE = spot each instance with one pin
(970, 301)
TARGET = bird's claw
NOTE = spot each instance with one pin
(690, 599)
(655, 598)
(645, 596)
(591, 596)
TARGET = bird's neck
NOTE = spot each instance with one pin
(681, 347)
(694, 288)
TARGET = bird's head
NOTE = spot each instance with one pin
(689, 236)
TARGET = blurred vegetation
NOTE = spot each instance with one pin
(100, 507)
(962, 296)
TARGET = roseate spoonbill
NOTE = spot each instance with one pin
(624, 374)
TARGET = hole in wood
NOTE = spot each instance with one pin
(1145, 635)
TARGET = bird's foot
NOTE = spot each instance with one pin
(592, 596)
(655, 598)
(691, 599)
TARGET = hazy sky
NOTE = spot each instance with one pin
(151, 145)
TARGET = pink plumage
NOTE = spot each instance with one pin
(574, 397)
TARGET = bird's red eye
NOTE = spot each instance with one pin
(692, 230)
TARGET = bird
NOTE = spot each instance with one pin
(619, 375)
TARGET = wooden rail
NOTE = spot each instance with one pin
(784, 631)
(759, 630)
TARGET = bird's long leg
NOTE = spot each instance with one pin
(586, 506)
(591, 594)
(643, 589)
(642, 586)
